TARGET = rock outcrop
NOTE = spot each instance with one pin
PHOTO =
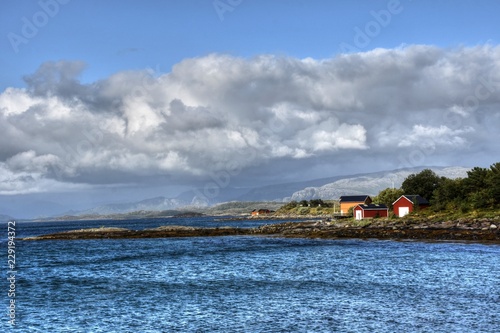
(464, 230)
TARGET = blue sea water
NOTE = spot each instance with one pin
(249, 284)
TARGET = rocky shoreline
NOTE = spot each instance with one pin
(480, 230)
(399, 232)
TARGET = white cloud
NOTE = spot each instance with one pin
(28, 161)
(16, 101)
(342, 137)
(27, 172)
(219, 110)
(429, 136)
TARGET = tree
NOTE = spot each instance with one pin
(494, 182)
(350, 211)
(388, 196)
(291, 205)
(316, 202)
(476, 180)
(449, 194)
(423, 183)
(479, 193)
(480, 189)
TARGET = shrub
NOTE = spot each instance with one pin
(304, 210)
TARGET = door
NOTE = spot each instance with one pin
(358, 215)
(403, 211)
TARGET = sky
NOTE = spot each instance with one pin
(115, 101)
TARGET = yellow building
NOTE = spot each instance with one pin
(348, 201)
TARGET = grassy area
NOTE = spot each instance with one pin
(431, 215)
(241, 207)
(330, 207)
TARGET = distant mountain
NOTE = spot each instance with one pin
(370, 184)
(278, 192)
(6, 218)
(334, 187)
(153, 204)
(208, 197)
(324, 188)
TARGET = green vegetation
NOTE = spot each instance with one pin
(478, 194)
(388, 196)
(431, 215)
(480, 190)
(423, 184)
(304, 207)
(311, 203)
(241, 207)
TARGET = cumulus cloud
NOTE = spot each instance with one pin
(218, 112)
(430, 137)
(28, 172)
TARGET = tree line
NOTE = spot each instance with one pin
(479, 190)
(305, 203)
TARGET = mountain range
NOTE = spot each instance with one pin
(324, 188)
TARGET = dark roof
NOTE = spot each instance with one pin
(415, 198)
(353, 198)
(374, 206)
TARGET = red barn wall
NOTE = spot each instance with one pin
(373, 213)
(402, 202)
(367, 213)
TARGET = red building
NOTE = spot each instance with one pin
(363, 211)
(256, 212)
(407, 203)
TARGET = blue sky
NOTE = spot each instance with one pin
(112, 36)
(109, 101)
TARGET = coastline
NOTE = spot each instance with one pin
(478, 230)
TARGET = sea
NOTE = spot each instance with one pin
(244, 283)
